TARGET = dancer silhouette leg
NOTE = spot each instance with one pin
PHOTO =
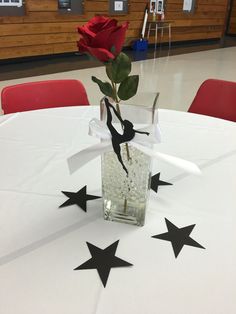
(117, 150)
(116, 137)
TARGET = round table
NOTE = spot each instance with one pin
(41, 244)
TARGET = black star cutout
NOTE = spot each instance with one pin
(156, 182)
(79, 198)
(103, 260)
(178, 237)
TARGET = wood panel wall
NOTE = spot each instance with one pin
(232, 19)
(43, 31)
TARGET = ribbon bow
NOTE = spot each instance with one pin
(100, 130)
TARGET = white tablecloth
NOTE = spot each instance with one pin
(40, 244)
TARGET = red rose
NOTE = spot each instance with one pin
(102, 37)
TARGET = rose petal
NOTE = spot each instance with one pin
(100, 22)
(103, 37)
(86, 32)
(99, 35)
(110, 23)
(81, 44)
(101, 54)
(117, 38)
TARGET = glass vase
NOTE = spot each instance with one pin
(125, 197)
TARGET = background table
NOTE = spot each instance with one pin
(40, 244)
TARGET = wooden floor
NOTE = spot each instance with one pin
(15, 69)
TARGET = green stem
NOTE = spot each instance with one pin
(116, 99)
(127, 151)
(125, 205)
(118, 109)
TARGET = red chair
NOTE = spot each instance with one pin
(216, 98)
(44, 94)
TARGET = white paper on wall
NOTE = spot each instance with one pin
(153, 6)
(187, 6)
(11, 3)
(118, 6)
(159, 8)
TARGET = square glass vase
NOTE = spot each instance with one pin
(125, 197)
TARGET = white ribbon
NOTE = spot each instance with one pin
(142, 142)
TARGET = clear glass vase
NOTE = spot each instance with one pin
(125, 197)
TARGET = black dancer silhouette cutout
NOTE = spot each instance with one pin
(116, 137)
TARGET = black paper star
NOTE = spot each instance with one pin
(178, 237)
(156, 182)
(79, 198)
(103, 260)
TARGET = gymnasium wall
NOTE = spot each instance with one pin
(43, 31)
